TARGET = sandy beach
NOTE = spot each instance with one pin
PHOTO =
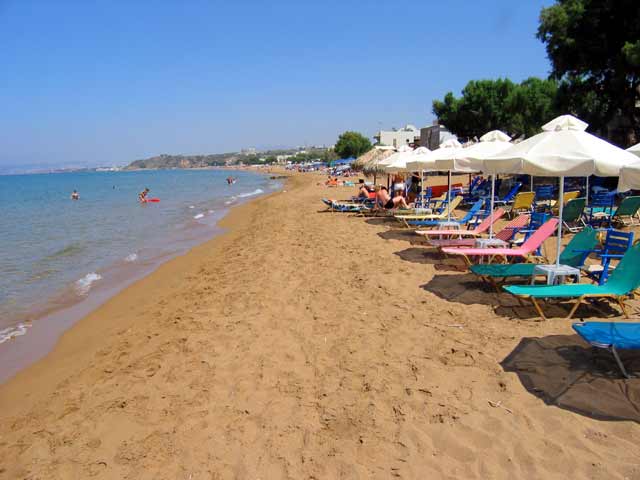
(304, 344)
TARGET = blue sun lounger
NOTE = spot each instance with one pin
(612, 336)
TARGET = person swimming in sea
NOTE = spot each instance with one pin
(75, 195)
(142, 196)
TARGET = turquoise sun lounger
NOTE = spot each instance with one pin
(612, 336)
(621, 284)
(572, 255)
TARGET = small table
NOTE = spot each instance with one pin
(490, 242)
(443, 225)
(446, 225)
(422, 211)
(555, 272)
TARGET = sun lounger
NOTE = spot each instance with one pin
(573, 255)
(627, 212)
(616, 244)
(450, 207)
(473, 211)
(522, 203)
(505, 234)
(479, 230)
(344, 206)
(525, 251)
(572, 215)
(622, 282)
(510, 196)
(612, 336)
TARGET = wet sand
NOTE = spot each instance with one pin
(302, 344)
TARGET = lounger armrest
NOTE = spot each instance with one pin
(612, 255)
(595, 250)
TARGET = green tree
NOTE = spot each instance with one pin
(352, 144)
(594, 49)
(529, 106)
(518, 109)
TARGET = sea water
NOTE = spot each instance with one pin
(56, 252)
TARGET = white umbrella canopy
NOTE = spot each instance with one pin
(397, 162)
(428, 161)
(491, 143)
(629, 177)
(635, 149)
(472, 157)
(564, 148)
(495, 136)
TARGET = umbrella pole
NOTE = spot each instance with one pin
(449, 199)
(531, 187)
(561, 203)
(423, 191)
(587, 191)
(493, 189)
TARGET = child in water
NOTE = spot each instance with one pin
(142, 196)
(75, 195)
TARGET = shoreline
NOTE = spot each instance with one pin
(60, 312)
(303, 344)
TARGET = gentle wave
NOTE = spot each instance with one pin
(84, 284)
(15, 331)
(257, 191)
(67, 251)
(198, 216)
(132, 257)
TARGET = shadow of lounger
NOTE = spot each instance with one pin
(563, 371)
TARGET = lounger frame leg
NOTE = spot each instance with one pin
(574, 308)
(623, 307)
(538, 308)
(614, 352)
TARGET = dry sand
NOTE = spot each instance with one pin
(302, 345)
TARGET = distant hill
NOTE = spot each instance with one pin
(161, 162)
(184, 161)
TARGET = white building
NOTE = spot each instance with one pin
(409, 134)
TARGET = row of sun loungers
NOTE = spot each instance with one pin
(520, 261)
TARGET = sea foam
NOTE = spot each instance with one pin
(132, 257)
(257, 191)
(84, 284)
(15, 331)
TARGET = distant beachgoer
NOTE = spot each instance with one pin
(142, 196)
(75, 195)
(384, 200)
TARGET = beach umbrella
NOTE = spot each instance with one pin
(635, 150)
(629, 177)
(564, 148)
(472, 158)
(438, 160)
(372, 166)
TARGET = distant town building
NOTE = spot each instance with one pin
(407, 135)
(248, 151)
(432, 136)
(281, 159)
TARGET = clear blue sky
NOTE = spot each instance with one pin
(107, 82)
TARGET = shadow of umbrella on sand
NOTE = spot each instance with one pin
(563, 371)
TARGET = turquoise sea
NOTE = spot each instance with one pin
(56, 252)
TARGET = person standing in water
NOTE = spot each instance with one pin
(142, 196)
(75, 195)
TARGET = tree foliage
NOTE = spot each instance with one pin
(518, 109)
(594, 49)
(352, 144)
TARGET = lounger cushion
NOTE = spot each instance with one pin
(605, 334)
(508, 270)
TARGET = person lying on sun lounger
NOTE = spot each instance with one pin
(363, 192)
(384, 200)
